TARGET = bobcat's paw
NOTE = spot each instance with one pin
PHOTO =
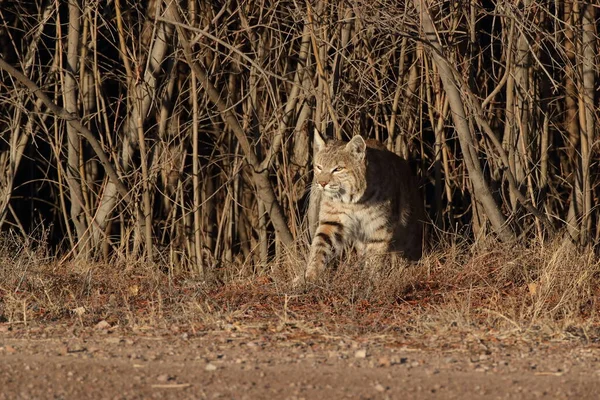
(302, 281)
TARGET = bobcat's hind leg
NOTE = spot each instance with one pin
(375, 256)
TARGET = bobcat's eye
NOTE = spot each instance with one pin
(337, 169)
(318, 168)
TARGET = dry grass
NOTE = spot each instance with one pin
(549, 289)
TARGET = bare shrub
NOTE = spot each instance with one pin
(188, 134)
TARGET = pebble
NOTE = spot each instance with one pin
(210, 367)
(166, 378)
(360, 354)
(380, 388)
(399, 360)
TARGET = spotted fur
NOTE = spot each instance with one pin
(369, 200)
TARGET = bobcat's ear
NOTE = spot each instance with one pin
(319, 142)
(357, 147)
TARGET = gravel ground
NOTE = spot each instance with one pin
(59, 362)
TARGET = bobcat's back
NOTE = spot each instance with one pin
(369, 200)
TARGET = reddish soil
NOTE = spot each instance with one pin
(258, 362)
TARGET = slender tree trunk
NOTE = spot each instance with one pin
(587, 115)
(197, 254)
(518, 135)
(142, 95)
(73, 143)
(264, 189)
(571, 119)
(19, 134)
(480, 186)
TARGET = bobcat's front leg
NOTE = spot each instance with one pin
(327, 241)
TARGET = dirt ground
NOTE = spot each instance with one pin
(259, 362)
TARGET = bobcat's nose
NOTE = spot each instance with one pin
(323, 183)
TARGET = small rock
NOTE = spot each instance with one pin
(399, 360)
(380, 388)
(362, 353)
(164, 378)
(210, 367)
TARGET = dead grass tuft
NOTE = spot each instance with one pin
(544, 288)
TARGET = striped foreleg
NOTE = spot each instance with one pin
(328, 241)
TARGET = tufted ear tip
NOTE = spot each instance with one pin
(357, 147)
(319, 142)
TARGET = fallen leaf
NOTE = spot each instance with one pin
(102, 325)
(384, 362)
(9, 349)
(533, 287)
(79, 311)
(134, 290)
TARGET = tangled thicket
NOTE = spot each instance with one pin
(184, 129)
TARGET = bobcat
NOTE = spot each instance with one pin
(369, 200)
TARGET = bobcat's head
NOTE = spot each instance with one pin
(340, 168)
